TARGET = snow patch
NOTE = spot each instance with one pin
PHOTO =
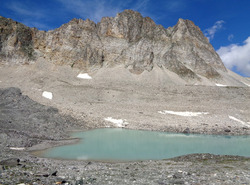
(239, 121)
(246, 84)
(47, 94)
(221, 85)
(188, 114)
(84, 76)
(118, 122)
(15, 148)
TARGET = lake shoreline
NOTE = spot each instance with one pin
(116, 144)
(46, 125)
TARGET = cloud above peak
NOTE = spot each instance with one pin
(210, 32)
(24, 10)
(96, 9)
(93, 10)
(237, 56)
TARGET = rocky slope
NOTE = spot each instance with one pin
(129, 40)
(25, 123)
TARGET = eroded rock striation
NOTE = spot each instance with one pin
(128, 39)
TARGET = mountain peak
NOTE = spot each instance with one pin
(129, 25)
(128, 39)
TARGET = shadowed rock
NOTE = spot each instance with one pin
(10, 162)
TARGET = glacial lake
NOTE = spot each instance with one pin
(115, 144)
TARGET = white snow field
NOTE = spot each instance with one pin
(239, 121)
(47, 95)
(118, 122)
(188, 114)
(221, 85)
(84, 76)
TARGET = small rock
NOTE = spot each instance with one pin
(10, 162)
(161, 183)
(54, 173)
(177, 176)
(1, 169)
(186, 131)
(169, 176)
(91, 180)
(227, 130)
(23, 160)
(42, 174)
(62, 177)
(61, 182)
(177, 181)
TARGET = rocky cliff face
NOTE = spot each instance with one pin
(16, 42)
(128, 39)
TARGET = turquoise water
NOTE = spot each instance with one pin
(125, 145)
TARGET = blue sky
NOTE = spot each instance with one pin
(225, 22)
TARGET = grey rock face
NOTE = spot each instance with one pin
(128, 39)
(24, 123)
(15, 41)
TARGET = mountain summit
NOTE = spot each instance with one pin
(129, 40)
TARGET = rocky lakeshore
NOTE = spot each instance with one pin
(192, 169)
(47, 127)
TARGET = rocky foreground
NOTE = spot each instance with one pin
(24, 124)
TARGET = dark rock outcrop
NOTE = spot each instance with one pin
(24, 123)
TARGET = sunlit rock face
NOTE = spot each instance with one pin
(16, 42)
(128, 39)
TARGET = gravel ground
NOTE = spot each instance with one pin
(28, 121)
(21, 167)
(191, 169)
(138, 102)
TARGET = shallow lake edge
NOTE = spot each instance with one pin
(38, 150)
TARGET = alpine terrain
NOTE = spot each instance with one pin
(124, 71)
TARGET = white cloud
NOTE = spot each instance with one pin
(28, 14)
(96, 9)
(37, 24)
(230, 37)
(141, 5)
(237, 56)
(93, 10)
(210, 32)
(175, 5)
(33, 15)
(23, 10)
